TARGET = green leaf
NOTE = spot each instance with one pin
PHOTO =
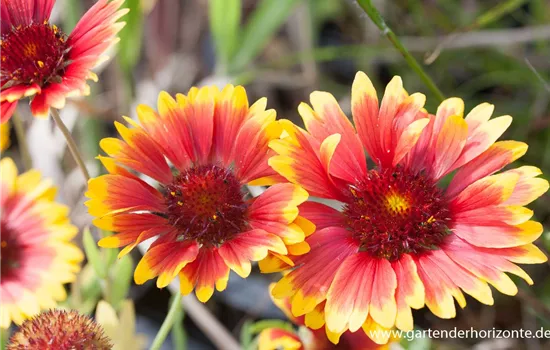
(92, 253)
(130, 36)
(262, 26)
(225, 18)
(121, 276)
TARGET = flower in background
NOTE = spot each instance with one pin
(37, 257)
(121, 328)
(4, 136)
(274, 338)
(202, 149)
(39, 60)
(61, 330)
(402, 240)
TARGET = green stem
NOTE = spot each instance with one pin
(168, 322)
(70, 143)
(22, 140)
(375, 16)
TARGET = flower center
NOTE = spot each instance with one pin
(206, 204)
(392, 212)
(10, 253)
(32, 54)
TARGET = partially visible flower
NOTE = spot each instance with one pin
(39, 60)
(121, 328)
(202, 150)
(402, 240)
(4, 136)
(60, 330)
(279, 339)
(37, 257)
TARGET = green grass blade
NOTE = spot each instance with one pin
(263, 24)
(225, 18)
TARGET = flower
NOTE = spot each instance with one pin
(39, 60)
(205, 220)
(273, 338)
(401, 239)
(121, 328)
(37, 257)
(4, 136)
(60, 330)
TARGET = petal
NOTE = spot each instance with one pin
(491, 190)
(19, 91)
(409, 293)
(199, 117)
(327, 119)
(299, 161)
(349, 295)
(364, 106)
(408, 139)
(495, 158)
(207, 271)
(494, 215)
(139, 152)
(321, 215)
(499, 236)
(439, 288)
(109, 193)
(165, 260)
(529, 187)
(276, 338)
(249, 246)
(309, 283)
(230, 114)
(250, 149)
(449, 145)
(6, 111)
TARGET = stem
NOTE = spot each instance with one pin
(70, 143)
(168, 322)
(375, 16)
(22, 140)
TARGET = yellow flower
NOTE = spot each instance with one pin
(37, 256)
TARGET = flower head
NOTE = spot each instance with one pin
(60, 330)
(40, 60)
(201, 150)
(37, 256)
(403, 240)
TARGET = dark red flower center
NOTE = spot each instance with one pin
(33, 54)
(206, 203)
(10, 253)
(60, 330)
(392, 212)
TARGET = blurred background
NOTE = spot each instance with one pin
(482, 51)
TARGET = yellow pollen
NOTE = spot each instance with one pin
(214, 216)
(40, 64)
(431, 220)
(4, 244)
(30, 50)
(180, 203)
(173, 193)
(396, 203)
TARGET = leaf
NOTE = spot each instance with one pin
(262, 26)
(121, 279)
(130, 36)
(225, 18)
(92, 253)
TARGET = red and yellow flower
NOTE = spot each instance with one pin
(37, 257)
(40, 61)
(403, 241)
(201, 149)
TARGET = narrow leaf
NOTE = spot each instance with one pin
(225, 17)
(92, 253)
